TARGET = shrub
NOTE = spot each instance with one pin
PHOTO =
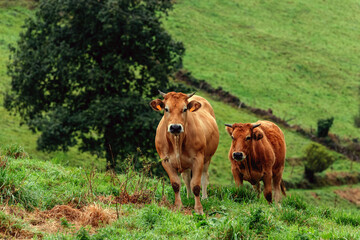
(317, 159)
(323, 126)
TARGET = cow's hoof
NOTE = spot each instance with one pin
(199, 211)
(178, 206)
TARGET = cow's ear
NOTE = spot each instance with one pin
(193, 106)
(257, 134)
(157, 105)
(229, 130)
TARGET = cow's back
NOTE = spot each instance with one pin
(204, 122)
(205, 105)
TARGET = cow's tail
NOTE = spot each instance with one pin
(283, 189)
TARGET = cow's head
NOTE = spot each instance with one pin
(242, 135)
(176, 108)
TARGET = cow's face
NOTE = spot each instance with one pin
(242, 135)
(176, 109)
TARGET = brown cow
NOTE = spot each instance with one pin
(186, 139)
(257, 153)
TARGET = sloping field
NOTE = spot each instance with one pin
(299, 58)
(42, 200)
(11, 133)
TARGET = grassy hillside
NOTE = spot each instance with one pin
(73, 203)
(299, 58)
(11, 20)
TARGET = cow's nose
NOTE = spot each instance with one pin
(175, 128)
(238, 156)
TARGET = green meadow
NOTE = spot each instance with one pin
(298, 58)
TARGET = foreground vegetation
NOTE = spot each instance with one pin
(41, 199)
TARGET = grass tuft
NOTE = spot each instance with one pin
(295, 202)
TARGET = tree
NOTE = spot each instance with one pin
(84, 71)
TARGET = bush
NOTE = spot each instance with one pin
(317, 159)
(323, 126)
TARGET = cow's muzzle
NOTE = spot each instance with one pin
(175, 128)
(238, 156)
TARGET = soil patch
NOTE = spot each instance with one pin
(350, 194)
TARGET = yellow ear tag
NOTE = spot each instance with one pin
(158, 107)
(192, 109)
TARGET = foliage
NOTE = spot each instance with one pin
(317, 159)
(84, 71)
(323, 126)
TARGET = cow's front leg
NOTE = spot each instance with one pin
(196, 181)
(267, 186)
(175, 181)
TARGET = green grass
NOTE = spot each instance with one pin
(298, 58)
(230, 213)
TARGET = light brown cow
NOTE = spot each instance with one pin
(186, 139)
(257, 153)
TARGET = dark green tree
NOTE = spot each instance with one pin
(84, 71)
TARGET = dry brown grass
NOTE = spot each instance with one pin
(49, 221)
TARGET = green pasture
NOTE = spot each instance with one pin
(11, 132)
(230, 213)
(299, 58)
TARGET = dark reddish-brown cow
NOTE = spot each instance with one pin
(186, 139)
(257, 153)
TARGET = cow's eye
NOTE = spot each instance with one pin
(166, 109)
(185, 109)
(247, 138)
(232, 137)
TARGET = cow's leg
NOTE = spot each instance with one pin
(186, 175)
(175, 182)
(277, 186)
(205, 180)
(196, 181)
(237, 176)
(267, 179)
(256, 187)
